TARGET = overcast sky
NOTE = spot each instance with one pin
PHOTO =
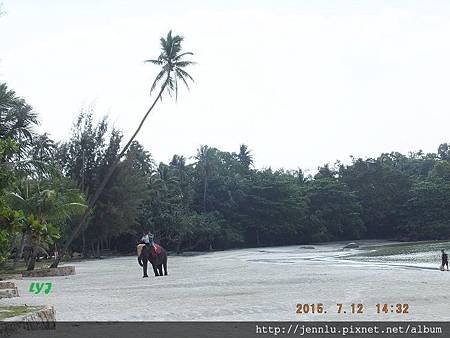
(302, 83)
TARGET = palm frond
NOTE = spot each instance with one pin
(178, 74)
(156, 62)
(157, 79)
(176, 88)
(35, 167)
(176, 58)
(186, 74)
(170, 85)
(16, 196)
(81, 205)
(184, 63)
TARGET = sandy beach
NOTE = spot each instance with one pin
(247, 284)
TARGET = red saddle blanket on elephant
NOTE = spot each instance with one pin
(155, 249)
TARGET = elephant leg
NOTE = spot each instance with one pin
(155, 270)
(160, 269)
(144, 268)
(165, 267)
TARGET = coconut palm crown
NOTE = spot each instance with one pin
(171, 60)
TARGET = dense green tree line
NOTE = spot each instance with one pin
(212, 200)
(218, 200)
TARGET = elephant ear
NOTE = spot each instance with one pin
(139, 249)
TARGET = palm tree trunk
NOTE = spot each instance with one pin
(108, 175)
(98, 249)
(32, 260)
(19, 252)
(83, 248)
(205, 188)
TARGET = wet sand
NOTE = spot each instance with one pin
(248, 284)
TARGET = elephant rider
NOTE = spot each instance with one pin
(148, 240)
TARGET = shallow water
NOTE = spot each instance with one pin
(418, 254)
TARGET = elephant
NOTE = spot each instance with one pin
(158, 261)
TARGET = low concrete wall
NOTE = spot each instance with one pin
(10, 276)
(8, 290)
(60, 271)
(9, 293)
(41, 319)
(7, 285)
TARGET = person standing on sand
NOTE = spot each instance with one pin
(444, 260)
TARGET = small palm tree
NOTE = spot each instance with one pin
(43, 208)
(181, 170)
(178, 161)
(43, 148)
(245, 156)
(172, 69)
(206, 163)
(41, 237)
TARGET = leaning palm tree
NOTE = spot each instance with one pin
(172, 70)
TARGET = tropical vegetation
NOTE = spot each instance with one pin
(93, 193)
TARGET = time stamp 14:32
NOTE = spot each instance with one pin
(354, 308)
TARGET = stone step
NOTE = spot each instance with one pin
(59, 271)
(10, 276)
(35, 318)
(9, 293)
(7, 285)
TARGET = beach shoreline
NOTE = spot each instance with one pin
(245, 284)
